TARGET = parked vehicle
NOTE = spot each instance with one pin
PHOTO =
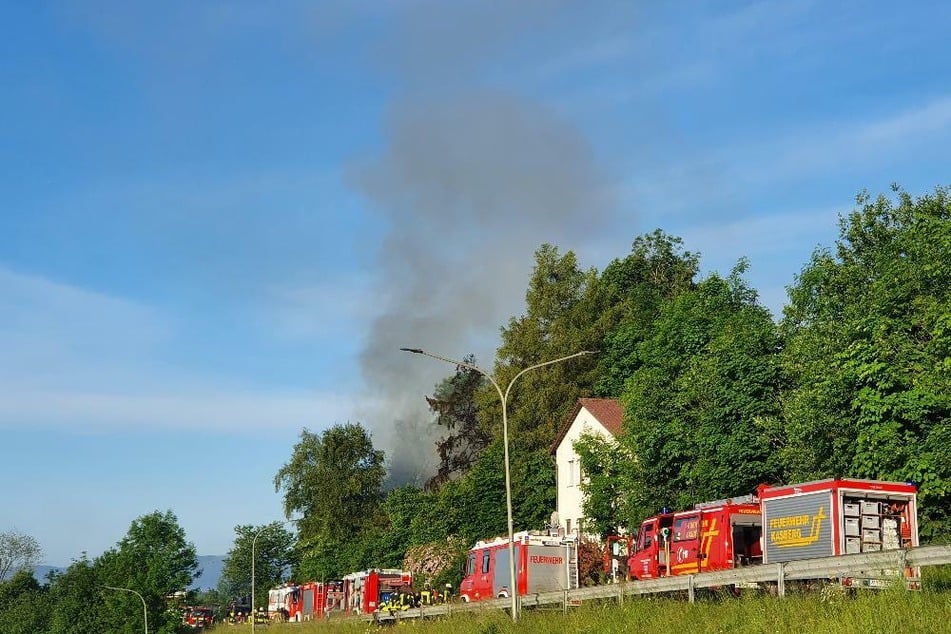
(543, 563)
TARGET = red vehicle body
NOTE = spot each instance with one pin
(712, 536)
(781, 523)
(306, 601)
(827, 518)
(357, 593)
(617, 552)
(365, 591)
(199, 617)
(543, 563)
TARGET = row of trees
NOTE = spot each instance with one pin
(718, 396)
(154, 559)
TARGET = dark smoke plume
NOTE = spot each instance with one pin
(469, 185)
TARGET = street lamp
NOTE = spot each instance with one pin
(253, 540)
(145, 609)
(513, 589)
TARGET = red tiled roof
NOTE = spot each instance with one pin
(607, 411)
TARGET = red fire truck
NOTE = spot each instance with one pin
(357, 593)
(365, 591)
(839, 517)
(716, 535)
(543, 563)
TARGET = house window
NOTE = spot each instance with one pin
(568, 526)
(571, 473)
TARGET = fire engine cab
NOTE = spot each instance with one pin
(716, 535)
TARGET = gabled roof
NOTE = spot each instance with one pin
(607, 411)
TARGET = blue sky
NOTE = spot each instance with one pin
(220, 219)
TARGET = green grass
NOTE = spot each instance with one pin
(834, 612)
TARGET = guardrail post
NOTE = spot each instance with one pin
(690, 592)
(565, 605)
(780, 580)
(620, 593)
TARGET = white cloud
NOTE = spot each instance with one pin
(763, 235)
(86, 361)
(843, 145)
(206, 409)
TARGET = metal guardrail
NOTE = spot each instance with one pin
(885, 564)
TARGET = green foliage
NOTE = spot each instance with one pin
(560, 319)
(155, 560)
(709, 376)
(273, 547)
(632, 291)
(23, 605)
(608, 477)
(335, 480)
(76, 603)
(868, 334)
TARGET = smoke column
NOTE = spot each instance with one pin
(471, 181)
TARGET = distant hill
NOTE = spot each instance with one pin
(210, 565)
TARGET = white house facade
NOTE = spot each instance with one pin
(600, 416)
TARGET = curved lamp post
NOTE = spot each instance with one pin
(513, 589)
(145, 609)
(253, 540)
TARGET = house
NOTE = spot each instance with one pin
(601, 416)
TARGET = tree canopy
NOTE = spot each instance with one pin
(868, 348)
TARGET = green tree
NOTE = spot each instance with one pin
(632, 293)
(155, 560)
(561, 318)
(868, 332)
(335, 480)
(76, 601)
(274, 553)
(606, 466)
(697, 407)
(18, 551)
(23, 605)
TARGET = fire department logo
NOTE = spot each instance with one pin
(789, 531)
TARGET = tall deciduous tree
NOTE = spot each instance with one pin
(335, 480)
(560, 319)
(155, 559)
(273, 554)
(18, 551)
(632, 292)
(868, 332)
(696, 408)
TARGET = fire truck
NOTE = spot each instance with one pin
(543, 563)
(840, 517)
(306, 601)
(367, 590)
(357, 593)
(780, 523)
(712, 536)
